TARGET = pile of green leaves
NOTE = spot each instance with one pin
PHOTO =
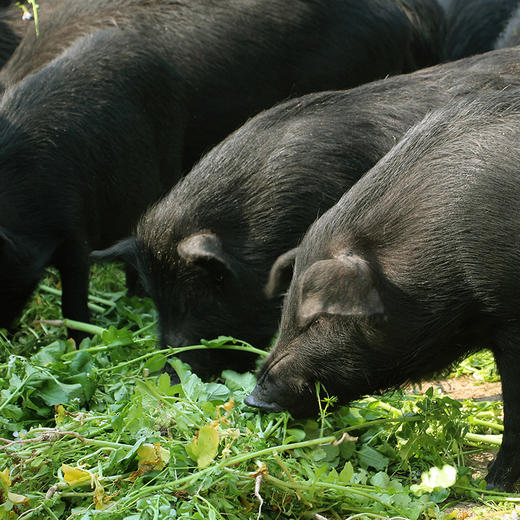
(102, 431)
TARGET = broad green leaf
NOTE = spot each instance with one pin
(53, 392)
(81, 362)
(346, 473)
(86, 382)
(217, 392)
(332, 476)
(295, 435)
(50, 354)
(320, 471)
(380, 480)
(114, 337)
(155, 363)
(193, 387)
(371, 458)
(318, 454)
(164, 384)
(182, 369)
(239, 382)
(347, 449)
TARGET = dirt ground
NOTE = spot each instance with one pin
(465, 387)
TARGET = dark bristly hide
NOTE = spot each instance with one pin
(413, 268)
(253, 196)
(116, 99)
(473, 26)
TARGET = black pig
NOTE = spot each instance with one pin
(11, 30)
(473, 26)
(413, 268)
(117, 98)
(204, 252)
(510, 36)
(13, 26)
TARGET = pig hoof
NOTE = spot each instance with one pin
(491, 486)
(499, 482)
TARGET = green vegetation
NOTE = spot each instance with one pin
(99, 432)
(30, 9)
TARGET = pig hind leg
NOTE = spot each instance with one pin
(505, 469)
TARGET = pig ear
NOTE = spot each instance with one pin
(281, 274)
(339, 286)
(205, 250)
(11, 244)
(5, 241)
(122, 251)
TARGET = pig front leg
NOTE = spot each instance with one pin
(73, 265)
(505, 469)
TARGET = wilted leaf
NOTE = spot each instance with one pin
(5, 481)
(75, 476)
(99, 495)
(204, 447)
(60, 415)
(152, 457)
(17, 499)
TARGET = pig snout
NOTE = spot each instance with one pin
(259, 398)
(275, 395)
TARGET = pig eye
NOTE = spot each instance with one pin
(317, 322)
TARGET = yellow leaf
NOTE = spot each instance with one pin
(17, 499)
(152, 456)
(204, 447)
(227, 407)
(59, 417)
(75, 476)
(134, 475)
(5, 481)
(99, 495)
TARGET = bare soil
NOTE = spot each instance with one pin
(465, 387)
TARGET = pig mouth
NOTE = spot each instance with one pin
(253, 401)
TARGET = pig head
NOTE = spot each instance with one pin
(333, 303)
